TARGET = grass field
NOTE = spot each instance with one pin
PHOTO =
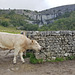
(9, 30)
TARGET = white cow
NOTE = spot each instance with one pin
(18, 42)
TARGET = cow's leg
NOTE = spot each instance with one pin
(15, 55)
(21, 56)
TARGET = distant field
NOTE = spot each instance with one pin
(9, 30)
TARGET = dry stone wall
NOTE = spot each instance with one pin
(54, 43)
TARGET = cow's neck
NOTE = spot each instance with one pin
(29, 44)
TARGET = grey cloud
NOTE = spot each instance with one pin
(24, 4)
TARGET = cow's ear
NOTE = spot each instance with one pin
(32, 41)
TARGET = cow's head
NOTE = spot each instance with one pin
(35, 45)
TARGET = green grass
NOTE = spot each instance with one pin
(28, 54)
(9, 30)
(70, 57)
(57, 59)
(33, 59)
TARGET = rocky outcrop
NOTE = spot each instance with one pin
(47, 16)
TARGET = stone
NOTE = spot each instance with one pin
(54, 43)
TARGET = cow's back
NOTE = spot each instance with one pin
(8, 40)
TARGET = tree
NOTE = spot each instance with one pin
(5, 23)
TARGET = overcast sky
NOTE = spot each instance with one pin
(33, 4)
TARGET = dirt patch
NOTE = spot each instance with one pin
(48, 68)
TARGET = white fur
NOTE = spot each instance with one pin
(18, 42)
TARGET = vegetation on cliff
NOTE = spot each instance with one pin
(64, 22)
(13, 20)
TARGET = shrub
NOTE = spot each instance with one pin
(4, 23)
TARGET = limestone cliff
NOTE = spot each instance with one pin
(42, 17)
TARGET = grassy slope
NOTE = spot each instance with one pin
(9, 30)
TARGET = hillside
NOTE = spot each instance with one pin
(9, 30)
(58, 18)
(11, 19)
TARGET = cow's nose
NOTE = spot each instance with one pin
(40, 51)
(42, 48)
